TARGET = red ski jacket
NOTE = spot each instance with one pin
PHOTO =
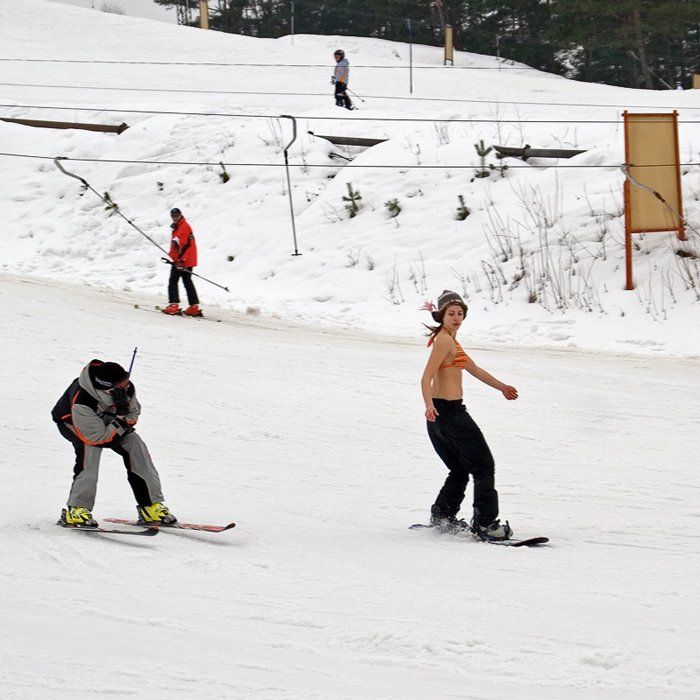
(183, 247)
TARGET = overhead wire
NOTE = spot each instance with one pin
(616, 50)
(394, 166)
(372, 97)
(256, 65)
(455, 120)
(505, 64)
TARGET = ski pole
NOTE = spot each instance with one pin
(133, 357)
(354, 93)
(194, 274)
(109, 204)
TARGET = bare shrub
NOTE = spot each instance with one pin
(112, 8)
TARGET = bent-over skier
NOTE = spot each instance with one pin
(99, 410)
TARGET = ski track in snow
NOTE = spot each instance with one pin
(314, 443)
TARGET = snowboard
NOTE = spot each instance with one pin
(175, 526)
(529, 542)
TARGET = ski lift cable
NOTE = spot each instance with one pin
(242, 115)
(394, 166)
(371, 97)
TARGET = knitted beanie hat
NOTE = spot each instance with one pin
(447, 298)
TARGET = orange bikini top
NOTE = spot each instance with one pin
(460, 359)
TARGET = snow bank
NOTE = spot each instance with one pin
(540, 256)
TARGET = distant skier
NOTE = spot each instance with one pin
(183, 252)
(456, 438)
(340, 78)
(99, 410)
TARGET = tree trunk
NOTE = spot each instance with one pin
(641, 51)
(439, 6)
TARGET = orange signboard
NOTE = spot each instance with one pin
(653, 179)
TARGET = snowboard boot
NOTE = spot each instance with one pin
(76, 516)
(446, 523)
(193, 310)
(493, 531)
(156, 513)
(172, 309)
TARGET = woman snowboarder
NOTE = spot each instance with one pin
(455, 436)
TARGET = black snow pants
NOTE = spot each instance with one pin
(461, 445)
(341, 95)
(174, 292)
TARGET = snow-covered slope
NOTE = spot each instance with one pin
(312, 439)
(552, 235)
(130, 8)
(322, 591)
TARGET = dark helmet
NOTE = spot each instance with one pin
(175, 212)
(340, 53)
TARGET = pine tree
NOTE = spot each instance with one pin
(463, 210)
(353, 199)
(482, 151)
(394, 207)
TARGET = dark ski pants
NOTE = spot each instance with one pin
(341, 95)
(141, 472)
(173, 291)
(461, 445)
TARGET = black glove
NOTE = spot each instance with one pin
(122, 427)
(121, 400)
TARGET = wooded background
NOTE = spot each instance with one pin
(635, 43)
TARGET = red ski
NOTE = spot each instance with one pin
(174, 526)
(200, 315)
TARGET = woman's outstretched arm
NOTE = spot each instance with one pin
(510, 392)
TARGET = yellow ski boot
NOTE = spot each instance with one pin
(155, 514)
(77, 516)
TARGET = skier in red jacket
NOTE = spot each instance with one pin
(183, 251)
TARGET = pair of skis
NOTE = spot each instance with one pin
(159, 309)
(148, 529)
(201, 316)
